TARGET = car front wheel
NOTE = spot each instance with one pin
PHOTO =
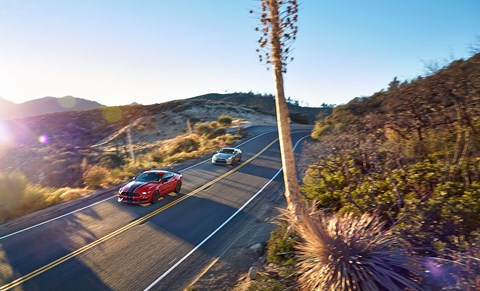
(178, 187)
(155, 197)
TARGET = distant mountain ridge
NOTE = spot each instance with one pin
(45, 105)
(262, 103)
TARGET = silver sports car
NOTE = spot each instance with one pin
(227, 156)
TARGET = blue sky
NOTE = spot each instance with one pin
(117, 51)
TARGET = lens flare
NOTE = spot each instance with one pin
(433, 268)
(44, 139)
(5, 136)
(6, 140)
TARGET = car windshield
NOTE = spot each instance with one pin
(148, 177)
(227, 151)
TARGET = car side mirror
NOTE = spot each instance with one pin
(164, 180)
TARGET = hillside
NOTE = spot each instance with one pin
(50, 148)
(410, 155)
(45, 105)
(445, 100)
(266, 105)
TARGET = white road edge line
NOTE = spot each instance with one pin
(98, 202)
(58, 217)
(220, 227)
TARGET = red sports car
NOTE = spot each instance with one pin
(149, 186)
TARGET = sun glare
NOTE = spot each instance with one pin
(5, 137)
(44, 139)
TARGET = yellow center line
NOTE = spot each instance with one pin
(139, 221)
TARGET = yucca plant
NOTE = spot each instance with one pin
(353, 253)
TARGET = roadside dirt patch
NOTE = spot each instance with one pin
(248, 250)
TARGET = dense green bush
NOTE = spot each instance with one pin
(299, 118)
(281, 246)
(432, 207)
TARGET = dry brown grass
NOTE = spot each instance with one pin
(352, 253)
(20, 198)
(95, 176)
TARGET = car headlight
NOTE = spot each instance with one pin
(120, 190)
(229, 158)
(146, 193)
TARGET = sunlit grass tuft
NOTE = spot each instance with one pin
(206, 138)
(95, 176)
(19, 197)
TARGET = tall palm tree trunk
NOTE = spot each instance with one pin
(292, 190)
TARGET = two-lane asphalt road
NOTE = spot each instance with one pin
(106, 245)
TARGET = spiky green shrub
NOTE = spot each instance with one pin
(352, 253)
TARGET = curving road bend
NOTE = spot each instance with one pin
(103, 245)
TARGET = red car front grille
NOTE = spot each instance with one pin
(130, 195)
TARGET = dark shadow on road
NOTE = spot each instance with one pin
(28, 251)
(189, 222)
